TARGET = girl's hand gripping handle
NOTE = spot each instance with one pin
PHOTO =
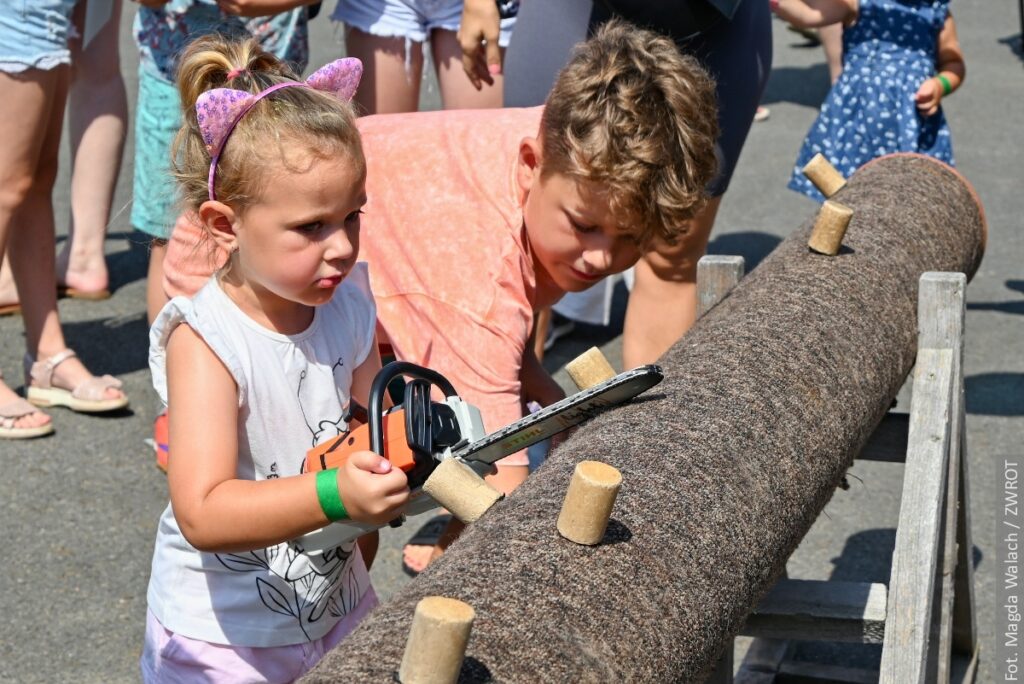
(372, 489)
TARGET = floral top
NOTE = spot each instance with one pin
(163, 33)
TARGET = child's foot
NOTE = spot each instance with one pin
(420, 549)
(82, 276)
(62, 380)
(762, 113)
(18, 418)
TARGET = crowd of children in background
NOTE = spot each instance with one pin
(625, 164)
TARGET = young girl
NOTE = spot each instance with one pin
(900, 58)
(258, 367)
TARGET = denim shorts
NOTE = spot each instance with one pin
(412, 19)
(157, 120)
(34, 34)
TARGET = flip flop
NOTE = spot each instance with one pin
(73, 293)
(11, 412)
(10, 309)
(428, 535)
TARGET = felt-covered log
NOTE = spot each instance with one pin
(728, 461)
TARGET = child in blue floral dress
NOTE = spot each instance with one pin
(900, 58)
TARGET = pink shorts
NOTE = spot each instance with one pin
(170, 658)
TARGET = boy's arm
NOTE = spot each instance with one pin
(537, 384)
(215, 510)
(949, 73)
(814, 13)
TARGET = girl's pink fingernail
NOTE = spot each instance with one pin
(494, 69)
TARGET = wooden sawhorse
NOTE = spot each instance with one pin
(925, 618)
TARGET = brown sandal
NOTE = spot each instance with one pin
(87, 397)
(11, 412)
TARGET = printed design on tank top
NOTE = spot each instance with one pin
(290, 582)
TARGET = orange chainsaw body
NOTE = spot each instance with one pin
(333, 453)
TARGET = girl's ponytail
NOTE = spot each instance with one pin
(320, 120)
(214, 61)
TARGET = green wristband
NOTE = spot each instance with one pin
(329, 496)
(947, 87)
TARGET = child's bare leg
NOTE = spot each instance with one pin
(832, 43)
(418, 557)
(31, 245)
(457, 92)
(24, 113)
(97, 121)
(155, 295)
(8, 292)
(663, 303)
(391, 76)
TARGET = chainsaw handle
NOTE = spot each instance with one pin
(380, 386)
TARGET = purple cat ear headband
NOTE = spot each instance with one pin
(218, 111)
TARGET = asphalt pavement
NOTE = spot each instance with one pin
(79, 509)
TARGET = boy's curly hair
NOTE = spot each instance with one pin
(632, 115)
(323, 124)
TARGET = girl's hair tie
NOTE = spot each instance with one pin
(235, 73)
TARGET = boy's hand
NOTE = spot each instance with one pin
(372, 490)
(928, 97)
(478, 37)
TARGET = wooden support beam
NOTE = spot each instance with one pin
(908, 646)
(716, 276)
(821, 611)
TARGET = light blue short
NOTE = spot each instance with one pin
(409, 19)
(34, 34)
(157, 120)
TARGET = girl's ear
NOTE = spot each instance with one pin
(219, 220)
(528, 164)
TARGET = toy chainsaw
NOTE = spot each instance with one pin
(421, 433)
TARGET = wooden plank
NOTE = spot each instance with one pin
(716, 276)
(821, 611)
(889, 440)
(908, 645)
(965, 626)
(946, 329)
(723, 671)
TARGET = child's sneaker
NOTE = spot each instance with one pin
(160, 438)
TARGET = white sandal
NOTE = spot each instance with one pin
(88, 397)
(11, 412)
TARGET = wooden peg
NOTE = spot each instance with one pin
(437, 641)
(824, 176)
(458, 488)
(830, 227)
(590, 368)
(588, 502)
